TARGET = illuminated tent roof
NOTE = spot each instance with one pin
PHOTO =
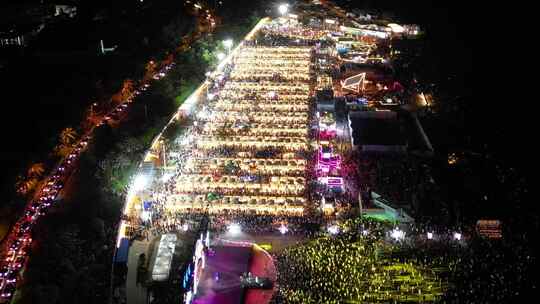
(396, 28)
(162, 264)
(354, 83)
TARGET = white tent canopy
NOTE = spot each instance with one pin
(165, 252)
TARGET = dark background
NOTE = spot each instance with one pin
(49, 84)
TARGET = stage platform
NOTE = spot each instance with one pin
(225, 263)
(220, 281)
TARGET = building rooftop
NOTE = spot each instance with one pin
(377, 131)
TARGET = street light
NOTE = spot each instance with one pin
(234, 228)
(92, 109)
(334, 229)
(140, 182)
(397, 234)
(228, 44)
(283, 8)
(430, 235)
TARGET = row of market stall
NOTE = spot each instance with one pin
(252, 137)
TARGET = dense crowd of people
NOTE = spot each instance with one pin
(354, 266)
(360, 264)
(253, 223)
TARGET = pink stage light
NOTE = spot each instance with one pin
(331, 181)
(327, 163)
(327, 134)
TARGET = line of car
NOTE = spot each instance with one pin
(20, 238)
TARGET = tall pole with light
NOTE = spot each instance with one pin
(207, 74)
(92, 109)
(228, 44)
(283, 9)
(92, 112)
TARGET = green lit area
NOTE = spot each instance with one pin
(356, 268)
(380, 217)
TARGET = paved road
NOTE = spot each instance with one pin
(342, 127)
(136, 293)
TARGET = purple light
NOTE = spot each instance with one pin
(327, 162)
(331, 181)
(335, 181)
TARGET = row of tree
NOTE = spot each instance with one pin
(34, 176)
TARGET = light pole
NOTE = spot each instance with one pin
(360, 203)
(283, 9)
(207, 74)
(228, 44)
(164, 154)
(91, 116)
(92, 108)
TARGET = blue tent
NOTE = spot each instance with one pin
(362, 101)
(188, 277)
(342, 51)
(122, 251)
(147, 206)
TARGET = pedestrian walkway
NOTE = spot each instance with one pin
(136, 293)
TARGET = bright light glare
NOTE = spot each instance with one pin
(228, 43)
(430, 235)
(333, 229)
(457, 236)
(283, 229)
(140, 182)
(365, 232)
(234, 228)
(187, 140)
(220, 56)
(397, 234)
(166, 177)
(283, 9)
